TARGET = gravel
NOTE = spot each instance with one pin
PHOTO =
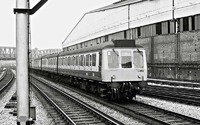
(188, 110)
(42, 117)
(109, 111)
(6, 118)
(171, 86)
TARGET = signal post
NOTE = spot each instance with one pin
(22, 12)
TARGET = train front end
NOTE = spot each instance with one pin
(124, 69)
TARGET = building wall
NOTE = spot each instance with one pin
(172, 46)
(129, 15)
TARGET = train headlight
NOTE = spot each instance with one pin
(113, 77)
(139, 76)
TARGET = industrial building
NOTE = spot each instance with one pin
(168, 29)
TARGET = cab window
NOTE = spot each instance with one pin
(126, 59)
(138, 59)
(113, 59)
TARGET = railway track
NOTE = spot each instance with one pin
(2, 75)
(182, 95)
(70, 110)
(144, 112)
(6, 80)
(155, 115)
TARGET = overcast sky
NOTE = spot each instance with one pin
(50, 25)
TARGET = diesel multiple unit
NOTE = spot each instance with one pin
(114, 69)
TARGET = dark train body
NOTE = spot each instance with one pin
(115, 69)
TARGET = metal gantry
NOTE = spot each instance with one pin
(35, 53)
(9, 53)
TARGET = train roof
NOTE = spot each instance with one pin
(114, 43)
(51, 55)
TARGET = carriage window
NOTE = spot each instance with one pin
(84, 60)
(77, 60)
(62, 61)
(69, 61)
(93, 59)
(138, 59)
(81, 60)
(113, 59)
(87, 59)
(126, 59)
(90, 60)
(74, 61)
(66, 61)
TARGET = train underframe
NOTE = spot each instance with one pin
(111, 91)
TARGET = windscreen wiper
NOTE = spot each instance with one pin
(115, 52)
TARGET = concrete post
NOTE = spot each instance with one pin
(22, 63)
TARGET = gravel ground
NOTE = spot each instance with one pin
(6, 118)
(109, 111)
(188, 110)
(42, 117)
(191, 111)
(171, 86)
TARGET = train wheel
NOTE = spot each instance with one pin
(115, 94)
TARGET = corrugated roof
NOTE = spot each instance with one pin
(116, 4)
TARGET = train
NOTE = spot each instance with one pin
(115, 70)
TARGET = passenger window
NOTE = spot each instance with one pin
(90, 60)
(87, 59)
(69, 61)
(84, 60)
(76, 60)
(93, 59)
(113, 59)
(80, 60)
(126, 59)
(66, 61)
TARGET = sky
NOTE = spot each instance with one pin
(50, 25)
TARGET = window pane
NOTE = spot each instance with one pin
(113, 59)
(81, 60)
(90, 60)
(66, 61)
(87, 60)
(93, 59)
(138, 59)
(76, 61)
(126, 59)
(69, 61)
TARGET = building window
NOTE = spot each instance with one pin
(125, 35)
(158, 28)
(193, 22)
(185, 24)
(168, 26)
(138, 32)
(106, 38)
